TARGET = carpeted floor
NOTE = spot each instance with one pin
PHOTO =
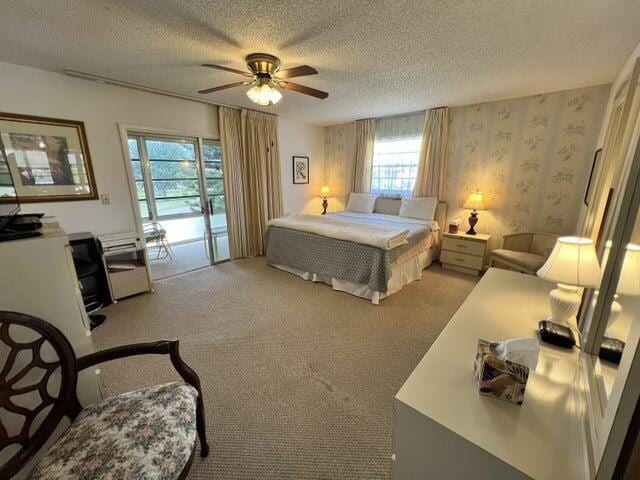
(185, 258)
(298, 379)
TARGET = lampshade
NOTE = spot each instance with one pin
(475, 201)
(629, 283)
(325, 191)
(573, 261)
(264, 94)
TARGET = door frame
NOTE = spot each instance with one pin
(125, 130)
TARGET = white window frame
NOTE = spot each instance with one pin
(390, 191)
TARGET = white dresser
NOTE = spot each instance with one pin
(443, 429)
(38, 278)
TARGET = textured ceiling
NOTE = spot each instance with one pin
(374, 57)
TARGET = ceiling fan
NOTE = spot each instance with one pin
(265, 75)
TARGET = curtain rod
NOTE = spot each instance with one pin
(400, 114)
(157, 91)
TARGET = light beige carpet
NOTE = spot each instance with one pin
(185, 257)
(298, 379)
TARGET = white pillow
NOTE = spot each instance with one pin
(422, 208)
(361, 202)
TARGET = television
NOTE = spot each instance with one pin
(9, 204)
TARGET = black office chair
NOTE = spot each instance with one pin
(92, 279)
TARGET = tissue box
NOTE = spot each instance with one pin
(499, 378)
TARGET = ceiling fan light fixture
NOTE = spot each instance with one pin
(267, 79)
(264, 94)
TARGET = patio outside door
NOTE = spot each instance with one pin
(180, 193)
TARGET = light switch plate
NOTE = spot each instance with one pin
(104, 198)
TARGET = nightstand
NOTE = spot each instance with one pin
(464, 253)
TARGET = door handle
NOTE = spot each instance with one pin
(210, 206)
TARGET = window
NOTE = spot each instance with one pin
(143, 198)
(395, 165)
(166, 176)
(213, 174)
(174, 176)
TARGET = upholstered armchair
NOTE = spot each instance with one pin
(524, 252)
(147, 433)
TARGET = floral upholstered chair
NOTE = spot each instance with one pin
(145, 434)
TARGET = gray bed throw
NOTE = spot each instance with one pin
(334, 258)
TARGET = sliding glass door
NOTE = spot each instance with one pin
(214, 186)
(180, 195)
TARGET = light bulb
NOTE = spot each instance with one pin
(264, 95)
(252, 93)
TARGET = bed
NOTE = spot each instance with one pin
(370, 255)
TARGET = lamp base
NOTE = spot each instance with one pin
(473, 220)
(616, 309)
(564, 302)
(325, 204)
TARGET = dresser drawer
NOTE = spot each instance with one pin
(463, 246)
(129, 282)
(461, 259)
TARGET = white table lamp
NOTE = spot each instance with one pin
(573, 263)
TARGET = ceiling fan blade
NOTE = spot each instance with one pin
(223, 87)
(227, 69)
(301, 71)
(302, 89)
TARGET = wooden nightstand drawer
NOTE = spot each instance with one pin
(462, 259)
(469, 247)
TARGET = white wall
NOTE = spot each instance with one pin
(101, 107)
(296, 138)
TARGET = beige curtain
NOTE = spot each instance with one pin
(431, 179)
(252, 185)
(365, 135)
(230, 125)
(261, 171)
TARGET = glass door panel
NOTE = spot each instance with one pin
(216, 207)
(167, 176)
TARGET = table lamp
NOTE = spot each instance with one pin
(573, 263)
(324, 193)
(474, 203)
(628, 284)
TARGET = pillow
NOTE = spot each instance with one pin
(361, 202)
(422, 208)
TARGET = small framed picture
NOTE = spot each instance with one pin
(48, 158)
(300, 170)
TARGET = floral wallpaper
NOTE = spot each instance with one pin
(531, 156)
(339, 150)
(339, 155)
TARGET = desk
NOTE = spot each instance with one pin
(444, 429)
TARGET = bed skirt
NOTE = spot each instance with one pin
(401, 274)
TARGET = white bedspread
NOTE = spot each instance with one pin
(343, 227)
